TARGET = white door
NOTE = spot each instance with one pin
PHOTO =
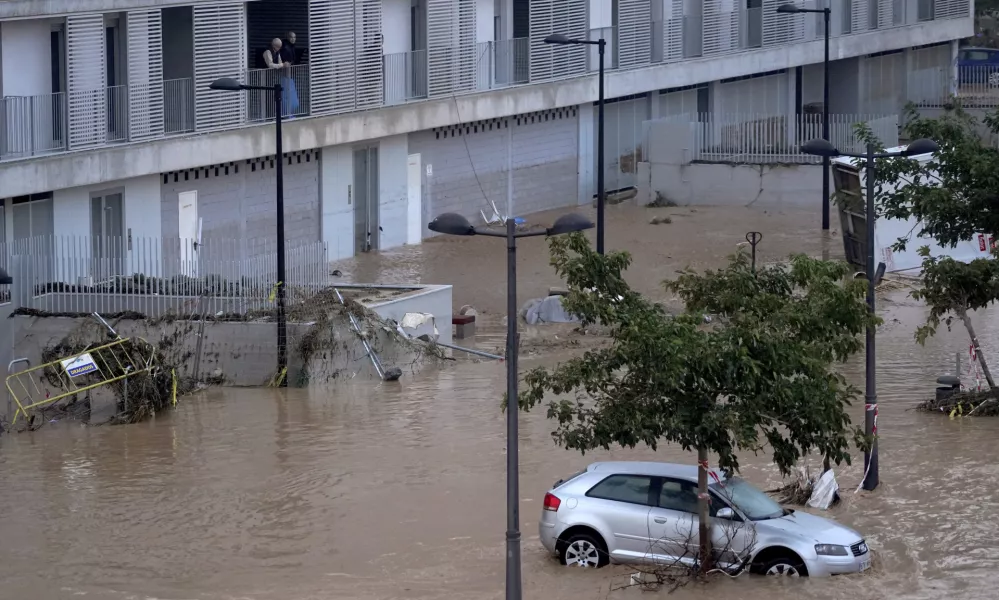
(189, 232)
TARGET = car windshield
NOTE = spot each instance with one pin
(756, 505)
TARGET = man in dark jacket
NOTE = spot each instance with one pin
(289, 53)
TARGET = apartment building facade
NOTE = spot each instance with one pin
(401, 109)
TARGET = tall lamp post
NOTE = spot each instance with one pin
(455, 224)
(559, 39)
(795, 9)
(826, 150)
(231, 85)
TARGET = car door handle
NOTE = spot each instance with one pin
(660, 521)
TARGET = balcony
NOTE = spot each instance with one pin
(41, 124)
(32, 125)
(405, 76)
(294, 82)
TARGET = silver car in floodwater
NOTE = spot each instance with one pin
(646, 512)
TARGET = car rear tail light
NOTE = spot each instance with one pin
(552, 502)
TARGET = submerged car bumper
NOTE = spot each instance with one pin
(824, 566)
(548, 532)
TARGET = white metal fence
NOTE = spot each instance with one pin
(769, 138)
(32, 125)
(975, 86)
(155, 276)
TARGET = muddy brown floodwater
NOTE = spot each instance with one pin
(396, 490)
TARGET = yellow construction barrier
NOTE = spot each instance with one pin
(92, 369)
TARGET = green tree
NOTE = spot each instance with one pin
(759, 377)
(954, 198)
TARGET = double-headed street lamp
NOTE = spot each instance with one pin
(601, 44)
(455, 224)
(825, 12)
(826, 150)
(231, 85)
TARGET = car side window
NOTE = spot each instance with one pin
(977, 55)
(633, 489)
(678, 495)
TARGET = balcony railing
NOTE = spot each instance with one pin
(116, 106)
(405, 76)
(32, 125)
(511, 61)
(178, 106)
(294, 96)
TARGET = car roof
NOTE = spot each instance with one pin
(656, 469)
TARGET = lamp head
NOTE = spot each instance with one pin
(451, 224)
(558, 38)
(921, 146)
(788, 9)
(226, 84)
(5, 278)
(819, 147)
(569, 223)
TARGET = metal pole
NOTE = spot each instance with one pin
(825, 127)
(513, 581)
(601, 192)
(870, 392)
(282, 325)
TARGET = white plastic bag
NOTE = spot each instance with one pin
(824, 491)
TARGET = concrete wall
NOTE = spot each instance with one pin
(18, 9)
(337, 218)
(721, 184)
(141, 197)
(395, 26)
(433, 299)
(136, 159)
(393, 191)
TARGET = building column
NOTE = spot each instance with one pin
(587, 153)
(336, 178)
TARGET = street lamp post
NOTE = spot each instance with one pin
(455, 224)
(231, 85)
(601, 44)
(826, 150)
(795, 9)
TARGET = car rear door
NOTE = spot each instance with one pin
(622, 503)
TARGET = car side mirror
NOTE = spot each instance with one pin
(725, 513)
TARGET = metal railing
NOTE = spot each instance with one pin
(32, 125)
(511, 61)
(750, 138)
(116, 107)
(405, 76)
(154, 276)
(976, 86)
(178, 106)
(294, 97)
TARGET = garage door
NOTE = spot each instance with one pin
(237, 200)
(527, 162)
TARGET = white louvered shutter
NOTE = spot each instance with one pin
(344, 45)
(859, 16)
(470, 56)
(368, 60)
(568, 17)
(452, 54)
(145, 74)
(323, 40)
(86, 80)
(634, 33)
(950, 9)
(886, 12)
(779, 28)
(673, 32)
(219, 51)
(720, 32)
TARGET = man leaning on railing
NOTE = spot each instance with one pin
(280, 57)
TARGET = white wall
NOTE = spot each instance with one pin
(587, 146)
(393, 191)
(395, 26)
(414, 199)
(600, 14)
(484, 10)
(27, 57)
(335, 181)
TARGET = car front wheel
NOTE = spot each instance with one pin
(784, 567)
(583, 550)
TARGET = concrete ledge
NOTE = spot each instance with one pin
(24, 9)
(133, 160)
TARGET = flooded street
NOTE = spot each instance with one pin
(396, 490)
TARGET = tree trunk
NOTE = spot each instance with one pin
(704, 526)
(978, 348)
(825, 464)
